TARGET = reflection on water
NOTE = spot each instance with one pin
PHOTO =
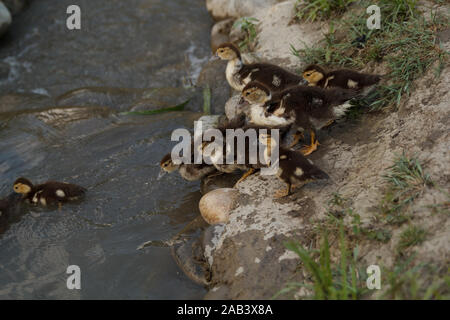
(52, 129)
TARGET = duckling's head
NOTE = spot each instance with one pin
(255, 92)
(22, 186)
(228, 51)
(167, 164)
(313, 74)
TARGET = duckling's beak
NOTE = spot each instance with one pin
(161, 174)
(242, 102)
(214, 57)
(304, 82)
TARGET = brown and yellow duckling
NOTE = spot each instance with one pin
(343, 78)
(307, 108)
(293, 168)
(257, 95)
(239, 74)
(48, 193)
(296, 171)
(189, 172)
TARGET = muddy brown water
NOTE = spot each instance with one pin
(61, 99)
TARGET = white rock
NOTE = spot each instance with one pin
(222, 9)
(215, 206)
(276, 34)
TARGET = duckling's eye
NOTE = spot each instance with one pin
(308, 74)
(221, 51)
(247, 93)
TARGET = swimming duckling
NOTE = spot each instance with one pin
(239, 74)
(189, 172)
(48, 193)
(306, 107)
(343, 78)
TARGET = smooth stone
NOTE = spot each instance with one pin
(187, 255)
(215, 206)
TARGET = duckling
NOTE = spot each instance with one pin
(219, 160)
(295, 170)
(343, 78)
(189, 172)
(239, 74)
(305, 107)
(257, 95)
(48, 193)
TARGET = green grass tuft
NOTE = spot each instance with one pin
(329, 280)
(310, 10)
(381, 235)
(412, 236)
(419, 282)
(248, 26)
(407, 181)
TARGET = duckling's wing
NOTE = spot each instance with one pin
(303, 168)
(351, 79)
(62, 191)
(269, 74)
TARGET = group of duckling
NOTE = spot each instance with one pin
(274, 98)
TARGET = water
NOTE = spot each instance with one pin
(60, 119)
